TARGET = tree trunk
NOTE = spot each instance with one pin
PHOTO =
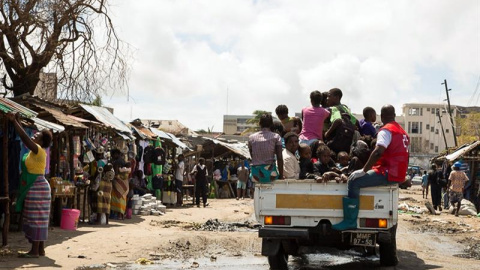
(25, 85)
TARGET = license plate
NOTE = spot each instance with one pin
(363, 239)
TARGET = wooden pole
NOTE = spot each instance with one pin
(6, 223)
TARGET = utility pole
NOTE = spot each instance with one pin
(443, 132)
(450, 113)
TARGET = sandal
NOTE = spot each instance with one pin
(27, 255)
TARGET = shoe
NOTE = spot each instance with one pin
(205, 205)
(350, 214)
(198, 205)
(27, 255)
(237, 198)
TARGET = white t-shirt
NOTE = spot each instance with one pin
(384, 138)
(180, 170)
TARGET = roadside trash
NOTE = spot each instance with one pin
(213, 258)
(195, 265)
(143, 261)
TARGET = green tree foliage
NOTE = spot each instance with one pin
(75, 40)
(468, 128)
(255, 121)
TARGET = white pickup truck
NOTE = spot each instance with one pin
(300, 213)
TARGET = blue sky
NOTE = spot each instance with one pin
(186, 54)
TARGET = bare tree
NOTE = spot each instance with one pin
(74, 39)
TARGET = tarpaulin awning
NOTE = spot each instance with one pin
(106, 117)
(462, 151)
(7, 106)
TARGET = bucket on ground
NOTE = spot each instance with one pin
(69, 219)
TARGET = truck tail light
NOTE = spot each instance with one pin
(277, 220)
(373, 222)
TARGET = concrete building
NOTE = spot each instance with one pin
(236, 124)
(47, 87)
(423, 123)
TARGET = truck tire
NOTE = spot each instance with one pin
(278, 261)
(388, 250)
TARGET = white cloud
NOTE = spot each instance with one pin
(188, 53)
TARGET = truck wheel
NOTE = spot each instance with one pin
(388, 250)
(278, 261)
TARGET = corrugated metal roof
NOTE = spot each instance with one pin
(161, 134)
(106, 117)
(238, 148)
(177, 141)
(61, 117)
(81, 120)
(460, 152)
(144, 132)
(7, 106)
(43, 124)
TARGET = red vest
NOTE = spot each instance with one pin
(394, 160)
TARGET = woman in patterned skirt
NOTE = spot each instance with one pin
(34, 197)
(104, 193)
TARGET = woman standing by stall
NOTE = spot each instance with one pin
(120, 184)
(35, 195)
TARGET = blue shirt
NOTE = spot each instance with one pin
(366, 128)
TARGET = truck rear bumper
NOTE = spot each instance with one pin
(284, 233)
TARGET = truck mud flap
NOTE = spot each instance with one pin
(270, 247)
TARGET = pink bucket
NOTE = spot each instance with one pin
(69, 219)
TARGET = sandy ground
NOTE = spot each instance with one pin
(181, 237)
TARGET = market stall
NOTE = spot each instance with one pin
(469, 156)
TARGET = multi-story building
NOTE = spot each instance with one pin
(429, 127)
(236, 124)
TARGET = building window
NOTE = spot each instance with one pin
(432, 129)
(446, 130)
(436, 131)
(436, 149)
(427, 126)
(415, 111)
(433, 111)
(431, 146)
(415, 127)
(428, 109)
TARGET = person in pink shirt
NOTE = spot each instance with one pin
(313, 118)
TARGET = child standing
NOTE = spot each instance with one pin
(366, 126)
(425, 185)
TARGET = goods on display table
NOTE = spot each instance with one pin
(61, 187)
(147, 205)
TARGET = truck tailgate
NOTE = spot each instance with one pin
(307, 202)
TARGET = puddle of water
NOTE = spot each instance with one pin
(246, 262)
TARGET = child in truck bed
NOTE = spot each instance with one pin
(305, 161)
(325, 168)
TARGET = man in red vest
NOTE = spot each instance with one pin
(387, 165)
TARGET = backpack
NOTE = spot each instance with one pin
(149, 154)
(343, 137)
(157, 182)
(159, 156)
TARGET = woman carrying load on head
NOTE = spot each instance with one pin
(34, 197)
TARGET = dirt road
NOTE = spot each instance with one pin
(189, 237)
